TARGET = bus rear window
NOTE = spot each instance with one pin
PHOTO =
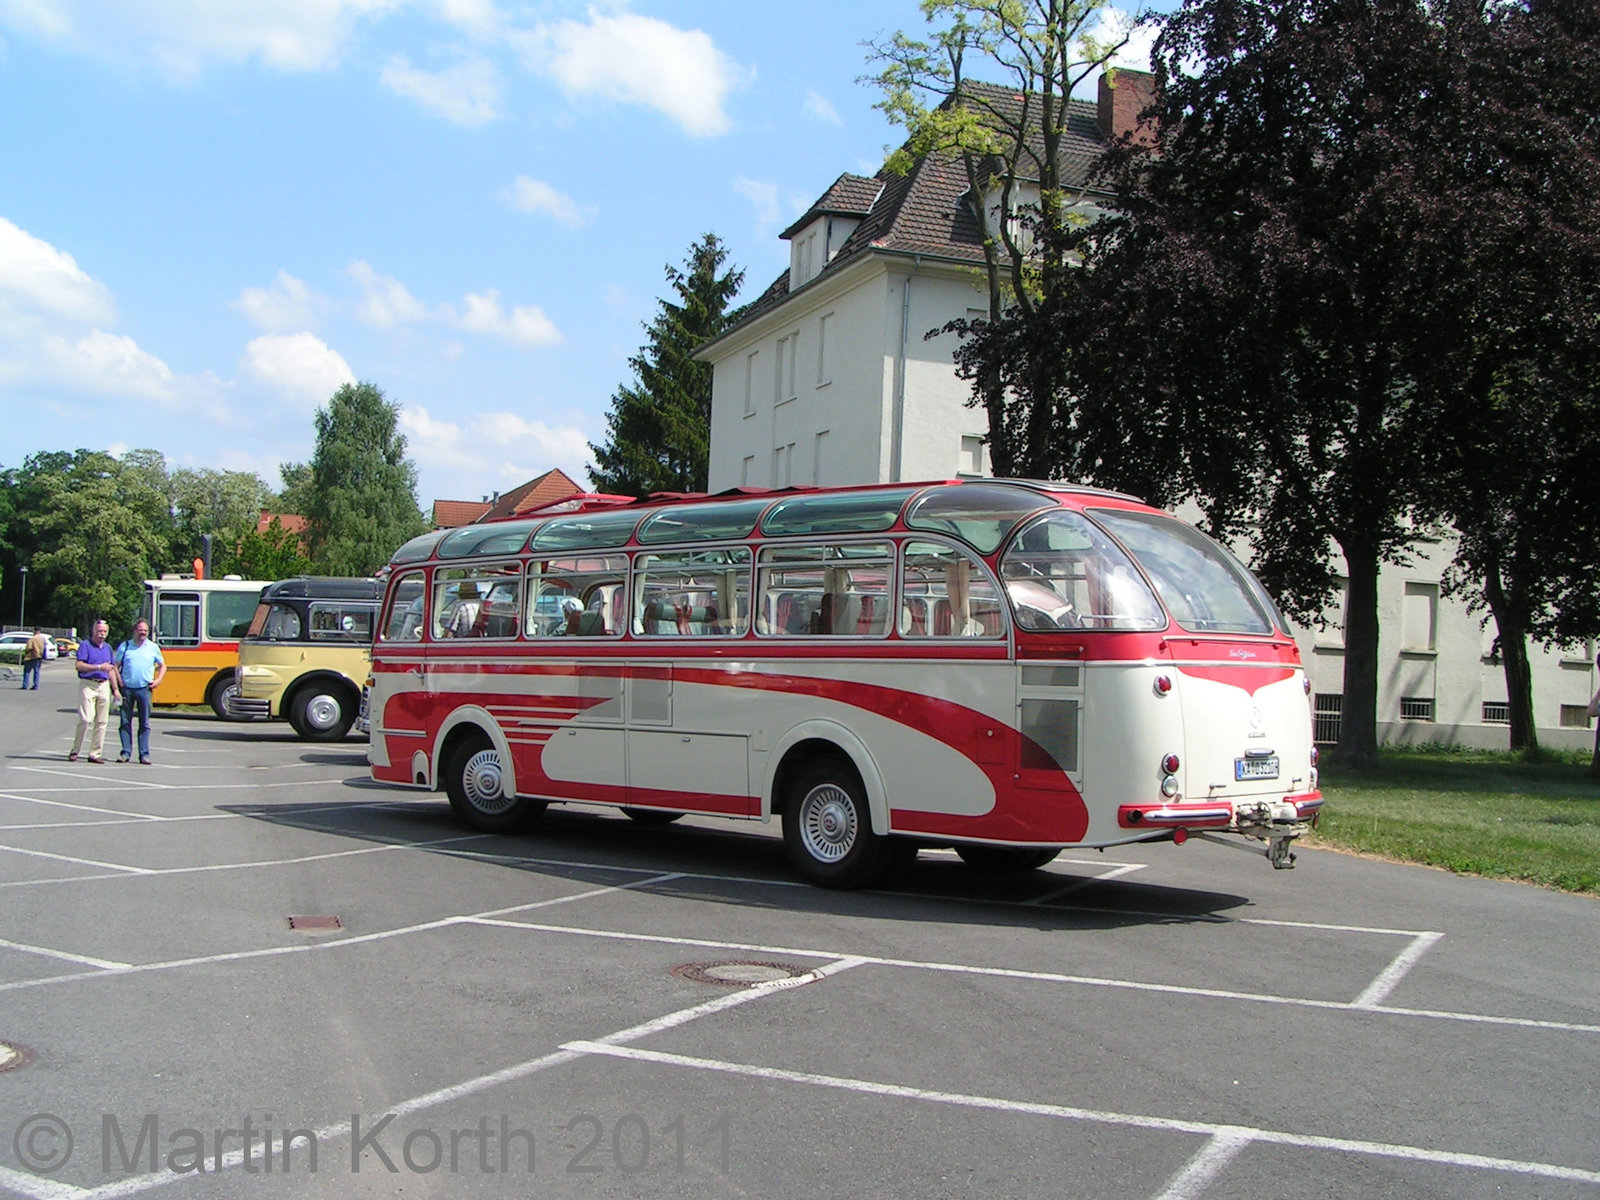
(1205, 588)
(1063, 573)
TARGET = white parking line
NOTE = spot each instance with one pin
(78, 807)
(1191, 1182)
(1126, 1120)
(104, 964)
(1378, 990)
(43, 1189)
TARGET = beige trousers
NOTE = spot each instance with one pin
(94, 709)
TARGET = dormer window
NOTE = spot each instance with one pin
(813, 246)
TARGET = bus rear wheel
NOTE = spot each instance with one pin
(475, 783)
(827, 827)
(996, 860)
(322, 714)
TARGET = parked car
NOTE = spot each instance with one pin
(66, 647)
(19, 638)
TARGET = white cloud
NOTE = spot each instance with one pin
(1113, 25)
(108, 363)
(287, 304)
(763, 197)
(300, 366)
(492, 451)
(181, 36)
(465, 94)
(639, 60)
(535, 196)
(526, 325)
(36, 278)
(817, 106)
(478, 17)
(385, 301)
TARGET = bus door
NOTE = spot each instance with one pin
(573, 611)
(688, 743)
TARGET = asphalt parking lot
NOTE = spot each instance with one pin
(245, 970)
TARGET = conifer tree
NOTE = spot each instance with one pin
(659, 427)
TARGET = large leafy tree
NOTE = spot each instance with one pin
(1009, 141)
(226, 505)
(1518, 197)
(362, 500)
(659, 427)
(1261, 327)
(98, 526)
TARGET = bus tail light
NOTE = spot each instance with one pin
(1169, 786)
(1180, 835)
(1169, 765)
(1163, 684)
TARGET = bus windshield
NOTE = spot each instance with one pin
(1203, 586)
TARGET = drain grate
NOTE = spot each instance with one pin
(13, 1056)
(315, 924)
(737, 972)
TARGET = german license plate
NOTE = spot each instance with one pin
(1255, 768)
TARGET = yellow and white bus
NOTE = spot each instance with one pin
(198, 624)
(307, 654)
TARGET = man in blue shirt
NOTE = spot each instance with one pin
(141, 667)
(97, 684)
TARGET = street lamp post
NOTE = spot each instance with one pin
(22, 605)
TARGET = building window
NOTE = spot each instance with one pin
(783, 375)
(783, 465)
(747, 469)
(974, 456)
(750, 383)
(819, 454)
(824, 366)
(1574, 716)
(1497, 712)
(1578, 652)
(1326, 711)
(1331, 632)
(1416, 708)
(1419, 617)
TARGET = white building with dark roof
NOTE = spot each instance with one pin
(830, 378)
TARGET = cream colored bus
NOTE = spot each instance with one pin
(307, 654)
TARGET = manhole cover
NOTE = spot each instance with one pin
(738, 973)
(12, 1057)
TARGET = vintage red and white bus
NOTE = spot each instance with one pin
(1006, 668)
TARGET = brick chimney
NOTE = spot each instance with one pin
(1124, 94)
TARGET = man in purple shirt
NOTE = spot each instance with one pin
(97, 684)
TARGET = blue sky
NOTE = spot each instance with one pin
(213, 213)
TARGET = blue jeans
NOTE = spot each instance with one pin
(135, 703)
(31, 669)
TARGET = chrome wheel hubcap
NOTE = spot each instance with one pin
(828, 823)
(483, 784)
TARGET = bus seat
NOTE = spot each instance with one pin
(840, 613)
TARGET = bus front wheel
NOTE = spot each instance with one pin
(827, 827)
(475, 783)
(222, 689)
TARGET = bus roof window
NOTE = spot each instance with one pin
(980, 514)
(419, 548)
(724, 521)
(864, 512)
(503, 538)
(586, 531)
